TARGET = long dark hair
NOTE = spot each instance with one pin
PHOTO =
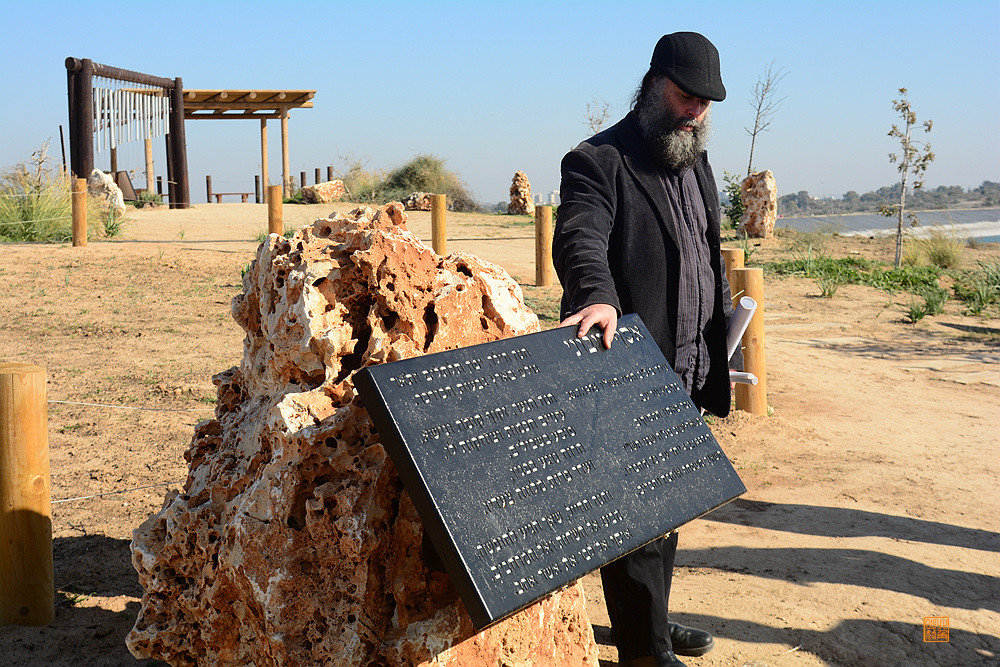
(643, 90)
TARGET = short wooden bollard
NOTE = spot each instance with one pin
(302, 179)
(317, 181)
(275, 224)
(734, 260)
(439, 213)
(79, 212)
(256, 188)
(753, 398)
(27, 591)
(208, 188)
(329, 173)
(544, 271)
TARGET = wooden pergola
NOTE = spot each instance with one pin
(249, 104)
(99, 105)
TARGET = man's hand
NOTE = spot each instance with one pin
(601, 314)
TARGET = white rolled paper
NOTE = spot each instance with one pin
(742, 377)
(739, 323)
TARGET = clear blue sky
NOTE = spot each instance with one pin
(495, 87)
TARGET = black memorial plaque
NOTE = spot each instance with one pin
(537, 459)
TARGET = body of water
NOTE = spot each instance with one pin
(981, 224)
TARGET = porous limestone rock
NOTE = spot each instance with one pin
(417, 201)
(324, 193)
(760, 200)
(520, 196)
(102, 186)
(292, 541)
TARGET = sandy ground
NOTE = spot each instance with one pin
(873, 487)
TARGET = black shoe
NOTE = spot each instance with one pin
(666, 659)
(690, 641)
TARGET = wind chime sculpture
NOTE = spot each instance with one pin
(127, 113)
(109, 106)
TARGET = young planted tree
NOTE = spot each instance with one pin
(914, 159)
(764, 105)
(597, 114)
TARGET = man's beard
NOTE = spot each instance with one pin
(672, 147)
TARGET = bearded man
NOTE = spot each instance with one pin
(638, 232)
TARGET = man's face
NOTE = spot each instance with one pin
(674, 124)
(683, 106)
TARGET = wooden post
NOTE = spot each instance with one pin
(79, 203)
(178, 145)
(544, 271)
(85, 109)
(114, 164)
(27, 591)
(208, 187)
(256, 188)
(734, 260)
(439, 213)
(329, 173)
(749, 398)
(263, 156)
(286, 172)
(317, 176)
(275, 224)
(302, 179)
(149, 165)
(159, 185)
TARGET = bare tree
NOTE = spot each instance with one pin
(764, 105)
(911, 161)
(597, 114)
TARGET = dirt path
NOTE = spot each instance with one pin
(873, 488)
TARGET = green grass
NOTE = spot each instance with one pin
(941, 247)
(36, 204)
(979, 288)
(915, 311)
(828, 285)
(859, 271)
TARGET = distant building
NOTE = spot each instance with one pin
(546, 199)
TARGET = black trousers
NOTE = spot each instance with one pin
(636, 591)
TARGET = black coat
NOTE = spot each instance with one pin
(616, 242)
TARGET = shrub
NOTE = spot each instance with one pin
(828, 285)
(35, 201)
(147, 198)
(734, 209)
(112, 222)
(940, 247)
(424, 173)
(362, 185)
(934, 300)
(36, 204)
(916, 311)
(980, 288)
(427, 173)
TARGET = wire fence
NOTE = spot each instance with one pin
(24, 222)
(115, 493)
(132, 407)
(123, 407)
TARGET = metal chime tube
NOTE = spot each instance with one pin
(113, 118)
(129, 103)
(97, 122)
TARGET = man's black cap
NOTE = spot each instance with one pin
(692, 62)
